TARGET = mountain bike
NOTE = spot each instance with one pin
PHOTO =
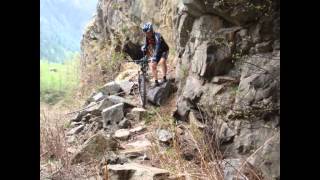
(142, 74)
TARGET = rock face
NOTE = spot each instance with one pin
(227, 58)
(134, 171)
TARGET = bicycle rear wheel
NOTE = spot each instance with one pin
(142, 89)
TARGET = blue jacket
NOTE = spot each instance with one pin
(160, 45)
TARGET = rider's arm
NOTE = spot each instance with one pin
(144, 47)
(157, 48)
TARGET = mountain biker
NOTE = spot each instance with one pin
(156, 48)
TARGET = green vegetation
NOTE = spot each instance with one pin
(58, 80)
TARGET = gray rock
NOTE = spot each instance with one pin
(259, 81)
(195, 122)
(110, 88)
(186, 144)
(269, 166)
(112, 115)
(125, 123)
(93, 108)
(235, 12)
(94, 148)
(126, 86)
(97, 97)
(76, 130)
(132, 49)
(276, 45)
(184, 29)
(183, 109)
(133, 152)
(222, 79)
(117, 99)
(164, 135)
(96, 119)
(134, 171)
(158, 95)
(205, 27)
(263, 47)
(137, 114)
(226, 134)
(193, 88)
(113, 158)
(211, 60)
(230, 169)
(74, 124)
(122, 134)
(78, 116)
(137, 129)
(195, 7)
(140, 144)
(86, 118)
(96, 126)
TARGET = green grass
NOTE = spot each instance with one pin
(58, 80)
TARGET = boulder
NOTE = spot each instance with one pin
(127, 102)
(231, 169)
(78, 116)
(124, 123)
(195, 122)
(112, 115)
(137, 114)
(164, 135)
(226, 134)
(211, 59)
(94, 148)
(74, 124)
(263, 47)
(122, 134)
(93, 108)
(76, 130)
(193, 88)
(195, 7)
(137, 129)
(186, 144)
(134, 171)
(182, 110)
(222, 79)
(126, 86)
(97, 97)
(158, 95)
(139, 144)
(110, 88)
(133, 152)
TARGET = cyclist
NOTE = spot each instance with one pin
(156, 48)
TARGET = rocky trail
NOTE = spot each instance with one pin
(219, 115)
(111, 129)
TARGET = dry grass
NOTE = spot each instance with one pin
(208, 161)
(171, 158)
(54, 156)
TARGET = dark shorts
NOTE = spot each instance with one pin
(161, 55)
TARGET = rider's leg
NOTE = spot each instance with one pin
(163, 64)
(154, 70)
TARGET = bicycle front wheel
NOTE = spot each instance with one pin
(142, 89)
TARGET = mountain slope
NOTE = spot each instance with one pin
(61, 26)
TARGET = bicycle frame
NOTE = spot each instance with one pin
(143, 62)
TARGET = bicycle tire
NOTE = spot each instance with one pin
(142, 89)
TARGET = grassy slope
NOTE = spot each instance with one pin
(57, 84)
